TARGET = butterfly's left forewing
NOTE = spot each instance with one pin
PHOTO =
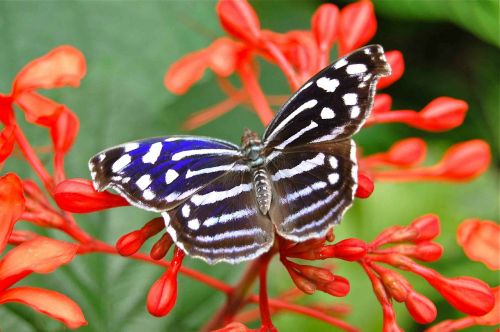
(157, 174)
(332, 105)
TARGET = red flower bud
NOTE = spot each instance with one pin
(383, 103)
(468, 295)
(395, 284)
(302, 283)
(420, 308)
(79, 196)
(130, 243)
(339, 287)
(407, 152)
(163, 294)
(324, 25)
(365, 186)
(161, 247)
(234, 327)
(464, 161)
(350, 249)
(12, 204)
(427, 227)
(441, 114)
(17, 237)
(397, 64)
(64, 131)
(357, 25)
(316, 274)
(240, 20)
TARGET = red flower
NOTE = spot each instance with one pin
(481, 241)
(39, 255)
(79, 196)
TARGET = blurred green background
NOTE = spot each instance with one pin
(450, 48)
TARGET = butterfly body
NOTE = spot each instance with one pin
(221, 202)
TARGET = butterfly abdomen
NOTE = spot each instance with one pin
(262, 187)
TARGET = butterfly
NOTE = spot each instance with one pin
(224, 202)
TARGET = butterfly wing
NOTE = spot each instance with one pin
(333, 104)
(309, 153)
(313, 188)
(222, 222)
(157, 174)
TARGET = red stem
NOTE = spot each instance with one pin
(254, 91)
(33, 160)
(267, 324)
(284, 65)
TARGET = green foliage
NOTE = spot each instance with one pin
(480, 17)
(129, 46)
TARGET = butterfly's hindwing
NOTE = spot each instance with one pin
(222, 222)
(333, 104)
(313, 188)
(157, 174)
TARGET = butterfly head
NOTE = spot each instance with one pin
(251, 148)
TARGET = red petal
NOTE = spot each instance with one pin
(186, 71)
(397, 64)
(64, 131)
(365, 186)
(407, 152)
(7, 139)
(480, 241)
(50, 303)
(240, 20)
(63, 66)
(79, 196)
(383, 103)
(223, 56)
(324, 26)
(442, 113)
(465, 161)
(39, 109)
(11, 205)
(358, 25)
(40, 255)
(493, 317)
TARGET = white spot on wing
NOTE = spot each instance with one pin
(153, 153)
(355, 111)
(350, 99)
(329, 85)
(356, 69)
(339, 64)
(131, 146)
(333, 178)
(333, 162)
(170, 176)
(144, 181)
(148, 194)
(327, 113)
(101, 157)
(186, 210)
(194, 224)
(121, 163)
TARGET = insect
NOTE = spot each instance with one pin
(222, 202)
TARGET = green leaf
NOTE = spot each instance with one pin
(479, 17)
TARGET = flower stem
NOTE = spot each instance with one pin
(267, 324)
(254, 91)
(33, 160)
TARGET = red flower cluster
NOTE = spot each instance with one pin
(299, 54)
